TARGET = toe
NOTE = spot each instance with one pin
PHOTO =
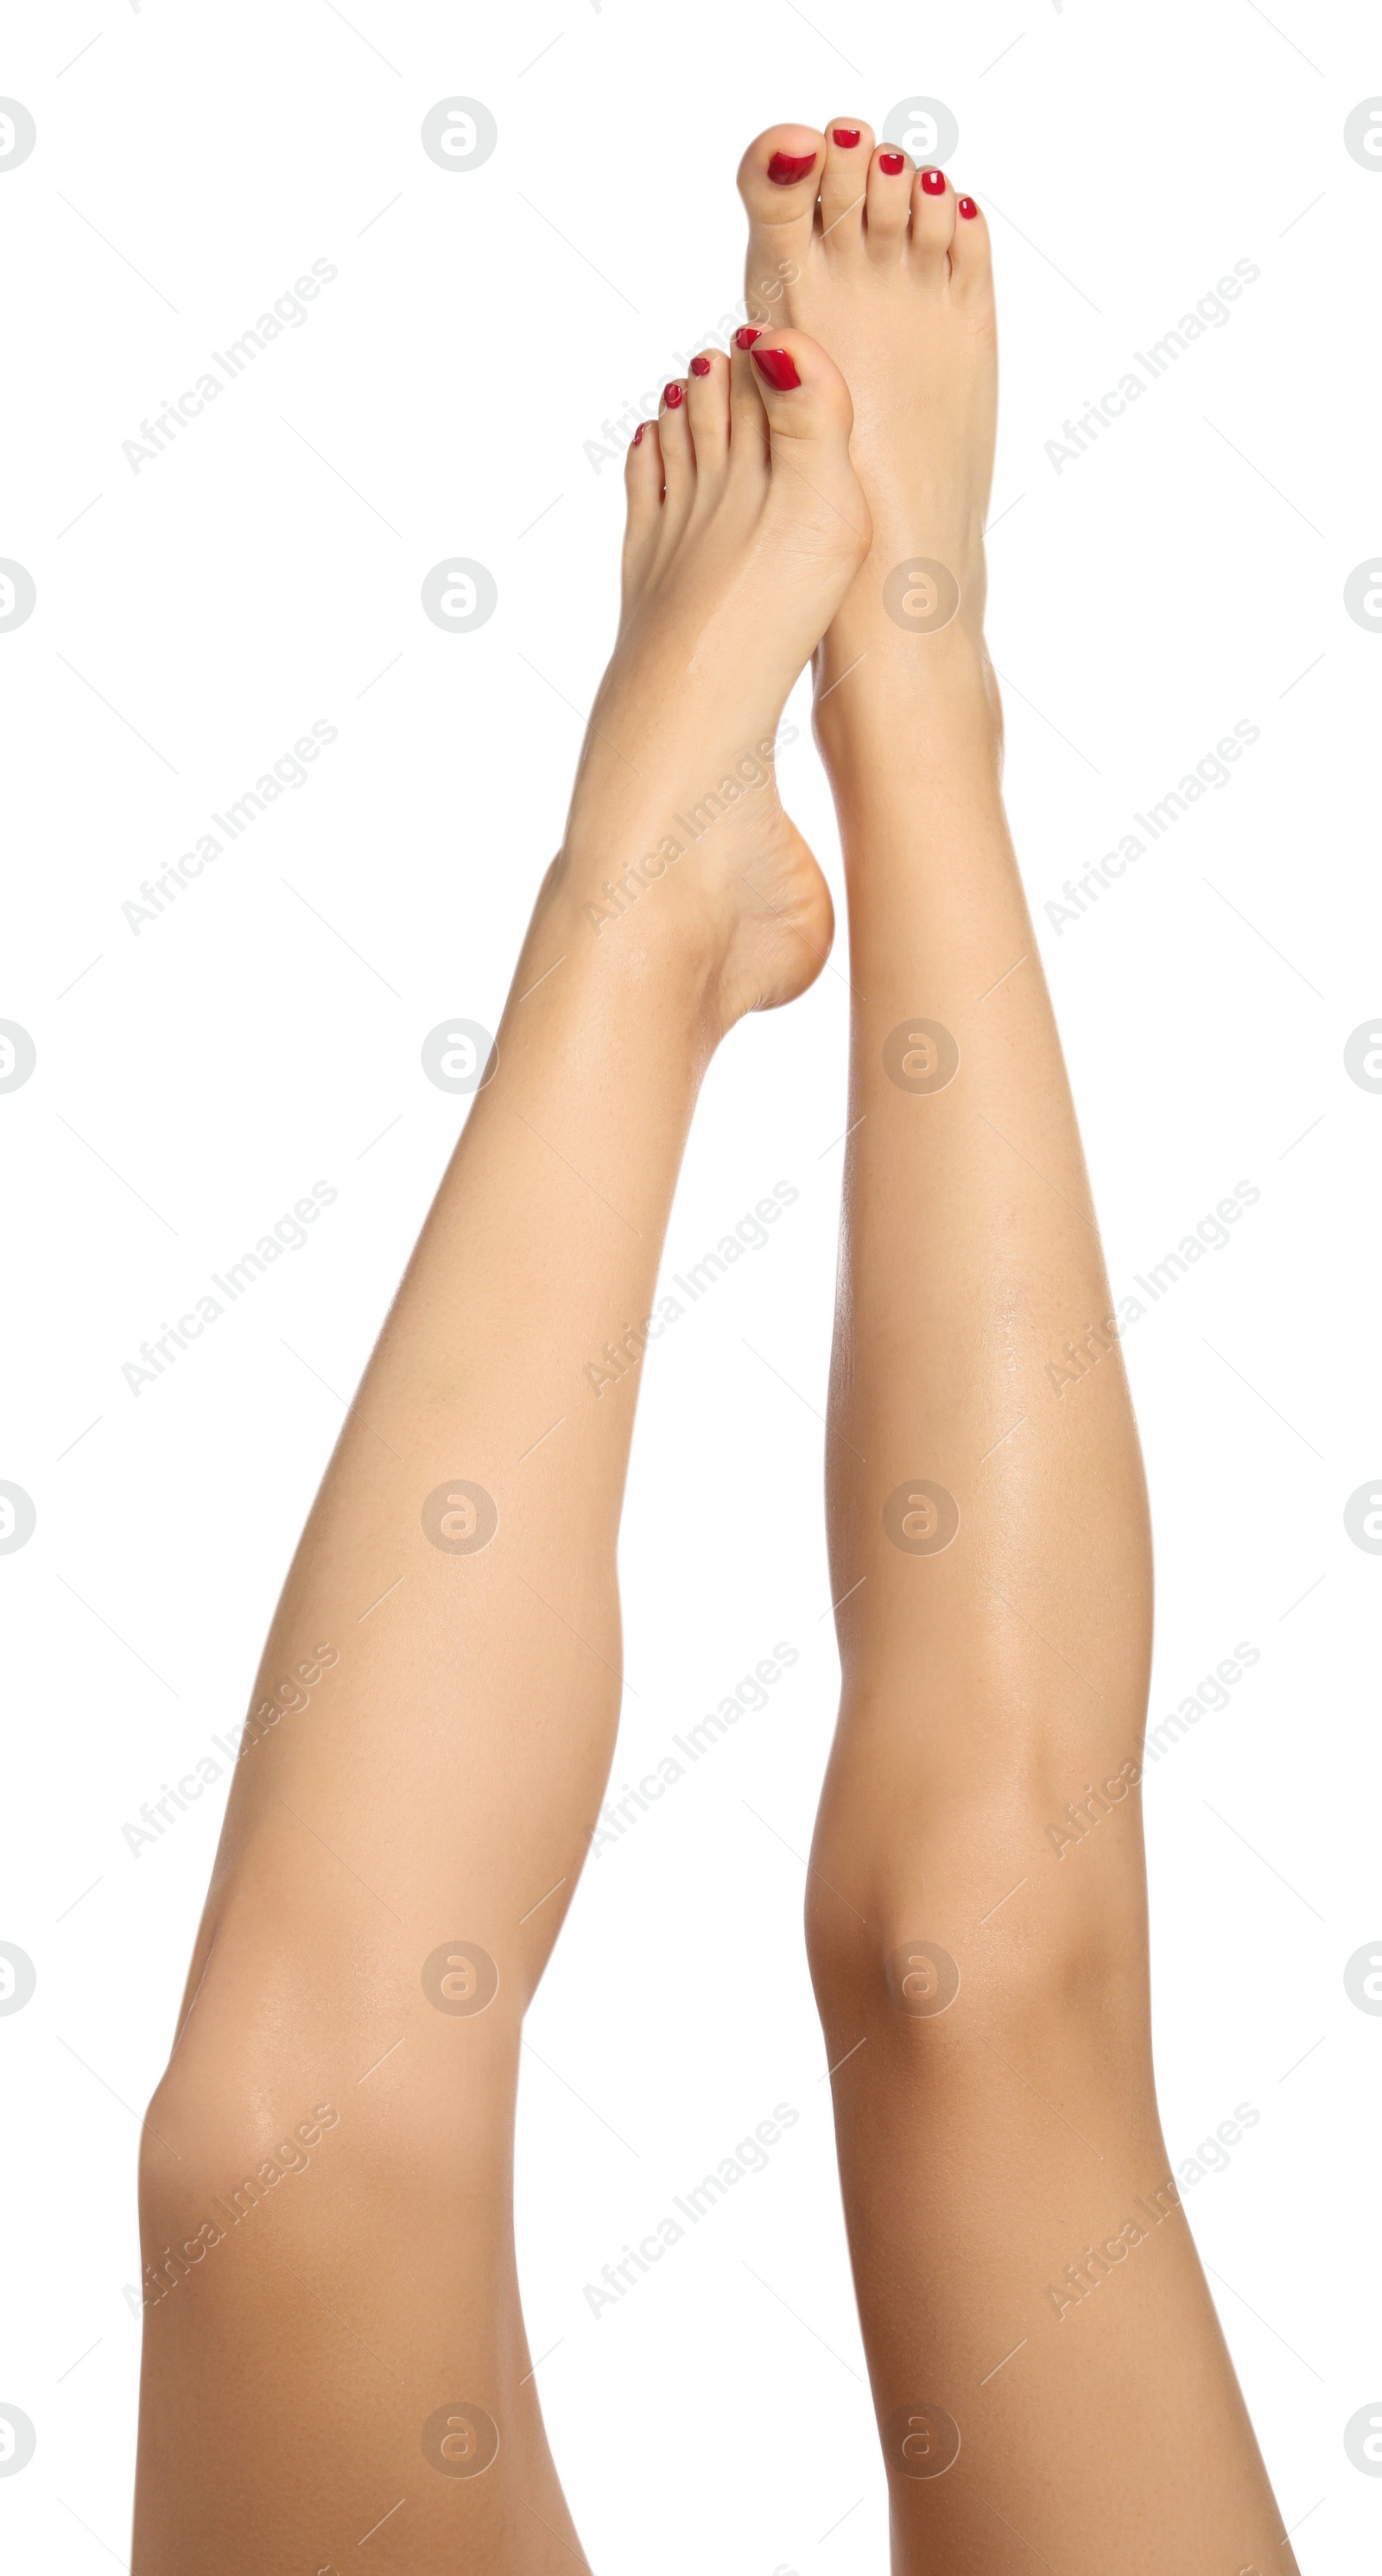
(678, 453)
(810, 416)
(643, 496)
(848, 150)
(971, 259)
(748, 422)
(889, 201)
(707, 413)
(779, 179)
(808, 405)
(933, 222)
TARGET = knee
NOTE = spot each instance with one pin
(384, 2102)
(962, 1914)
(209, 2163)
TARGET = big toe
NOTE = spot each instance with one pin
(779, 181)
(810, 416)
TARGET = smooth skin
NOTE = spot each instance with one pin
(333, 2338)
(335, 2353)
(1026, 2280)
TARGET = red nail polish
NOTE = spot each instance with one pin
(787, 167)
(777, 367)
(933, 181)
(841, 134)
(892, 162)
(672, 395)
(967, 208)
(700, 366)
(638, 433)
(745, 336)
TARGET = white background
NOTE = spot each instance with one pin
(264, 1033)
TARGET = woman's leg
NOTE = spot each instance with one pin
(334, 2346)
(977, 1910)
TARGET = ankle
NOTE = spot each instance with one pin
(933, 699)
(638, 915)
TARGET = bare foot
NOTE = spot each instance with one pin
(746, 529)
(892, 273)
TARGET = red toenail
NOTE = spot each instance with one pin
(638, 433)
(777, 366)
(933, 181)
(891, 162)
(745, 337)
(700, 366)
(967, 208)
(786, 167)
(841, 135)
(672, 395)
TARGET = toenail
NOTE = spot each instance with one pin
(638, 433)
(933, 181)
(672, 395)
(786, 167)
(700, 366)
(967, 208)
(846, 141)
(745, 336)
(777, 367)
(891, 162)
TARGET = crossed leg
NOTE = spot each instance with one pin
(334, 2346)
(1050, 2378)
